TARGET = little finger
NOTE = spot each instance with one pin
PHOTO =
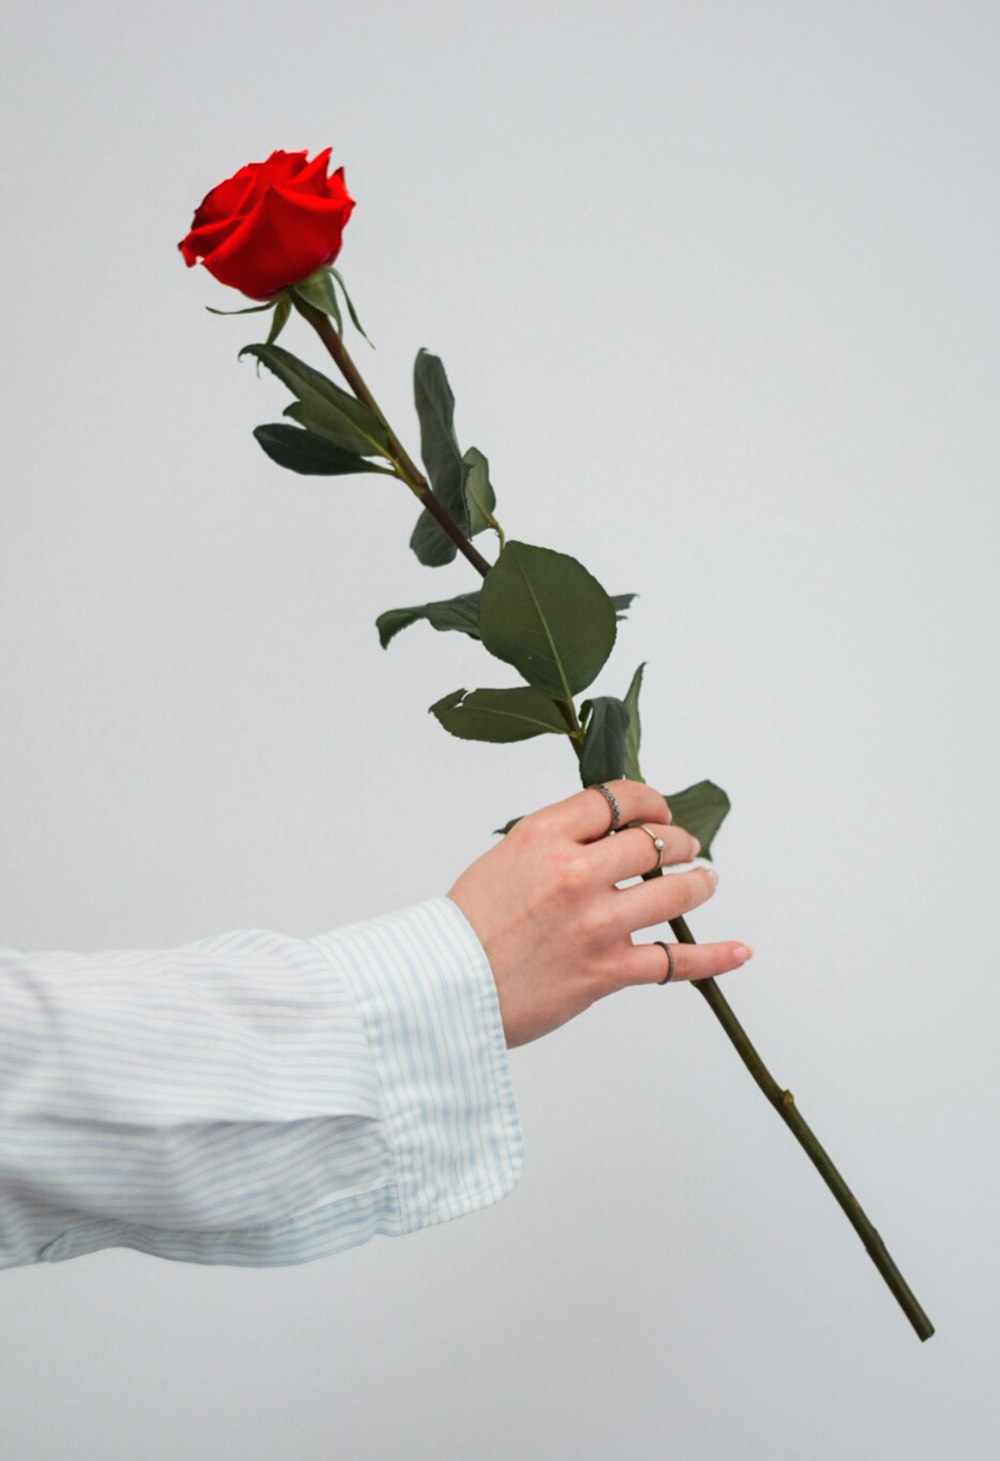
(649, 963)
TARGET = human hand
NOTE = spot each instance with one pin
(555, 927)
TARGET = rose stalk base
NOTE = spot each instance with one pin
(784, 1103)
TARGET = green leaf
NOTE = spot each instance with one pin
(431, 543)
(312, 455)
(282, 310)
(442, 458)
(438, 445)
(622, 603)
(634, 733)
(701, 810)
(317, 289)
(603, 753)
(543, 613)
(460, 613)
(350, 306)
(322, 406)
(499, 715)
(480, 499)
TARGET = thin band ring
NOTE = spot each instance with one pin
(657, 843)
(609, 797)
(670, 961)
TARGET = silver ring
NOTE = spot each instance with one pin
(657, 843)
(670, 961)
(609, 797)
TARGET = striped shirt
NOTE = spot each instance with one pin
(252, 1099)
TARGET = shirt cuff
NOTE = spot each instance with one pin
(430, 1012)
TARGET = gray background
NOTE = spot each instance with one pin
(716, 286)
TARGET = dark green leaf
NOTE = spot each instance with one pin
(438, 445)
(442, 458)
(634, 733)
(431, 543)
(700, 810)
(622, 602)
(460, 613)
(499, 715)
(314, 456)
(317, 289)
(480, 499)
(322, 406)
(546, 615)
(603, 753)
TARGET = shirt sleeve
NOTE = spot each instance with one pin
(252, 1099)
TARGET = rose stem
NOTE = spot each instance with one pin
(782, 1101)
(400, 457)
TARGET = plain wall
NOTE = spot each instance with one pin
(716, 286)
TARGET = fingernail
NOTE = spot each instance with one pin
(713, 876)
(697, 846)
(742, 953)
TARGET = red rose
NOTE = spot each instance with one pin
(270, 224)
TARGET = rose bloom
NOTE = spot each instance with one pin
(270, 224)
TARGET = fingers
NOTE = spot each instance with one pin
(633, 852)
(661, 899)
(648, 963)
(588, 815)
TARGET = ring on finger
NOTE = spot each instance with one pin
(658, 844)
(670, 961)
(612, 802)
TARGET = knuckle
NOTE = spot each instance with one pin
(569, 874)
(596, 921)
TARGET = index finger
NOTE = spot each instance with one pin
(589, 815)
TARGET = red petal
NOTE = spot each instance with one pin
(312, 178)
(280, 167)
(336, 191)
(285, 238)
(204, 240)
(238, 194)
(226, 200)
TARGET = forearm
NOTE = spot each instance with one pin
(237, 1100)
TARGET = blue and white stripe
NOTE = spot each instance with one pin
(252, 1099)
